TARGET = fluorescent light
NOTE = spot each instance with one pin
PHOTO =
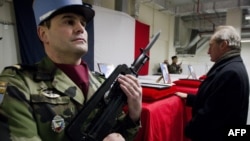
(247, 40)
(247, 17)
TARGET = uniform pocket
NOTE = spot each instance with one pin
(46, 108)
(43, 99)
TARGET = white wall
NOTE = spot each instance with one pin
(8, 48)
(245, 55)
(8, 44)
(158, 22)
(114, 37)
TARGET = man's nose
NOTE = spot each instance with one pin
(80, 28)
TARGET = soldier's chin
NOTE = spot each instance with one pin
(83, 52)
(82, 49)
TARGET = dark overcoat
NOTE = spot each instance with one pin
(221, 101)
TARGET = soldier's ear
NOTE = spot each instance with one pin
(42, 33)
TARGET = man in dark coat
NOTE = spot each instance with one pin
(222, 99)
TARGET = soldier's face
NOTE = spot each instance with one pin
(67, 35)
(175, 60)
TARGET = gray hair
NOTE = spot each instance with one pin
(229, 34)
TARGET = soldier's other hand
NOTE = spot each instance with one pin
(133, 90)
(114, 137)
(181, 95)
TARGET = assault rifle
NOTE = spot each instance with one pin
(105, 104)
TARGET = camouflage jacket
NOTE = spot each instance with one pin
(174, 69)
(35, 97)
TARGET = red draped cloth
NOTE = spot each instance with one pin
(163, 120)
(164, 115)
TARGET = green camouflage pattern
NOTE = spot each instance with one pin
(35, 95)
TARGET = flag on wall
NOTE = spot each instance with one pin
(31, 49)
(118, 38)
(141, 41)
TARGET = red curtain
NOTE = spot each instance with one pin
(141, 41)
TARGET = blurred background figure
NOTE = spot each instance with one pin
(175, 68)
(159, 69)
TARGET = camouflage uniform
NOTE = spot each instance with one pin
(174, 69)
(35, 95)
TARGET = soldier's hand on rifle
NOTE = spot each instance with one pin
(114, 137)
(133, 90)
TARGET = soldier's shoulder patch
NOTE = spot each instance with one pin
(3, 87)
(11, 70)
(16, 67)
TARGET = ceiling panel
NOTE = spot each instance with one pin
(203, 14)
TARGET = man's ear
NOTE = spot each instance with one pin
(42, 33)
(224, 45)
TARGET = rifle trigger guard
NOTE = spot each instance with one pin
(106, 96)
